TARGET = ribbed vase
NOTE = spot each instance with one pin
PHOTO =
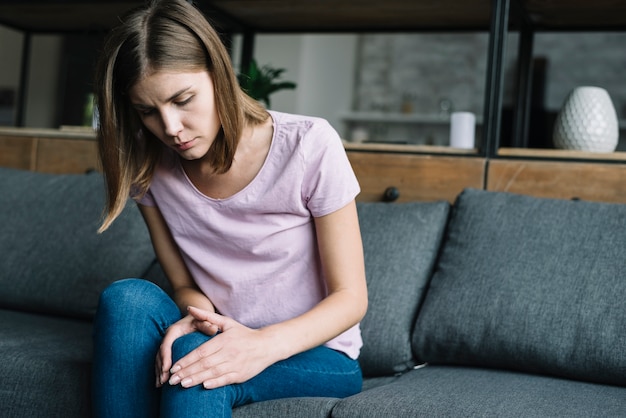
(587, 121)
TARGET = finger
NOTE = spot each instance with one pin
(164, 364)
(206, 327)
(195, 364)
(203, 315)
(164, 355)
(203, 373)
(165, 352)
(219, 381)
(157, 371)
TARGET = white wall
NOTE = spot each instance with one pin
(327, 70)
(322, 66)
(281, 51)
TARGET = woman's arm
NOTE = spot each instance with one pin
(186, 293)
(239, 353)
(341, 252)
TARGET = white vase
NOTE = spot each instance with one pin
(587, 121)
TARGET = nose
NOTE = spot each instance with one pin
(172, 123)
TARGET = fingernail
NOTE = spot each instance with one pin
(175, 369)
(186, 382)
(174, 380)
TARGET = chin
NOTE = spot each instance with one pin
(192, 154)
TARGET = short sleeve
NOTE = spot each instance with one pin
(329, 182)
(146, 200)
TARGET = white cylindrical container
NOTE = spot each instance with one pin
(462, 130)
(360, 134)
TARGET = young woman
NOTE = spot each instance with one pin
(252, 217)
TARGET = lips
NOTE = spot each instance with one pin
(185, 145)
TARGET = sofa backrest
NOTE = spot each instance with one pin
(530, 284)
(400, 243)
(53, 261)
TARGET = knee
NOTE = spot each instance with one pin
(126, 294)
(186, 344)
(125, 291)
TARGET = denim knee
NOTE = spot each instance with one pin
(186, 344)
(127, 293)
(136, 301)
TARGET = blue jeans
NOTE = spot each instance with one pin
(131, 321)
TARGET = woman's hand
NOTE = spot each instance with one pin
(163, 361)
(236, 355)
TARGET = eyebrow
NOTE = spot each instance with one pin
(169, 99)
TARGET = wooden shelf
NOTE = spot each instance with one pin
(407, 148)
(377, 15)
(49, 150)
(415, 177)
(391, 117)
(560, 154)
(603, 182)
(65, 133)
(355, 15)
(63, 16)
(321, 15)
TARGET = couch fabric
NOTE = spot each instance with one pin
(535, 285)
(401, 242)
(53, 262)
(453, 391)
(515, 304)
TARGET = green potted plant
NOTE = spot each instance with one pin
(259, 83)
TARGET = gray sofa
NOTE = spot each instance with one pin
(500, 305)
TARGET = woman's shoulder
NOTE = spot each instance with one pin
(301, 127)
(293, 119)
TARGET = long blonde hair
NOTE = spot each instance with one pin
(165, 35)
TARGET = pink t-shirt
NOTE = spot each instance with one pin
(254, 254)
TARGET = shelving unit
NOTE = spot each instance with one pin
(388, 117)
(250, 17)
(49, 150)
(403, 124)
(543, 172)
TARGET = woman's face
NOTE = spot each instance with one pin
(179, 109)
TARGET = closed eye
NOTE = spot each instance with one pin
(183, 102)
(144, 110)
(147, 110)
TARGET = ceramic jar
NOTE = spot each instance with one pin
(587, 121)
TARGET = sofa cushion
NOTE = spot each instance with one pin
(530, 284)
(53, 260)
(400, 243)
(46, 367)
(288, 408)
(440, 391)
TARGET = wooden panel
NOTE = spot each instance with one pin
(66, 155)
(408, 148)
(572, 14)
(417, 177)
(331, 15)
(16, 152)
(562, 180)
(562, 154)
(64, 15)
